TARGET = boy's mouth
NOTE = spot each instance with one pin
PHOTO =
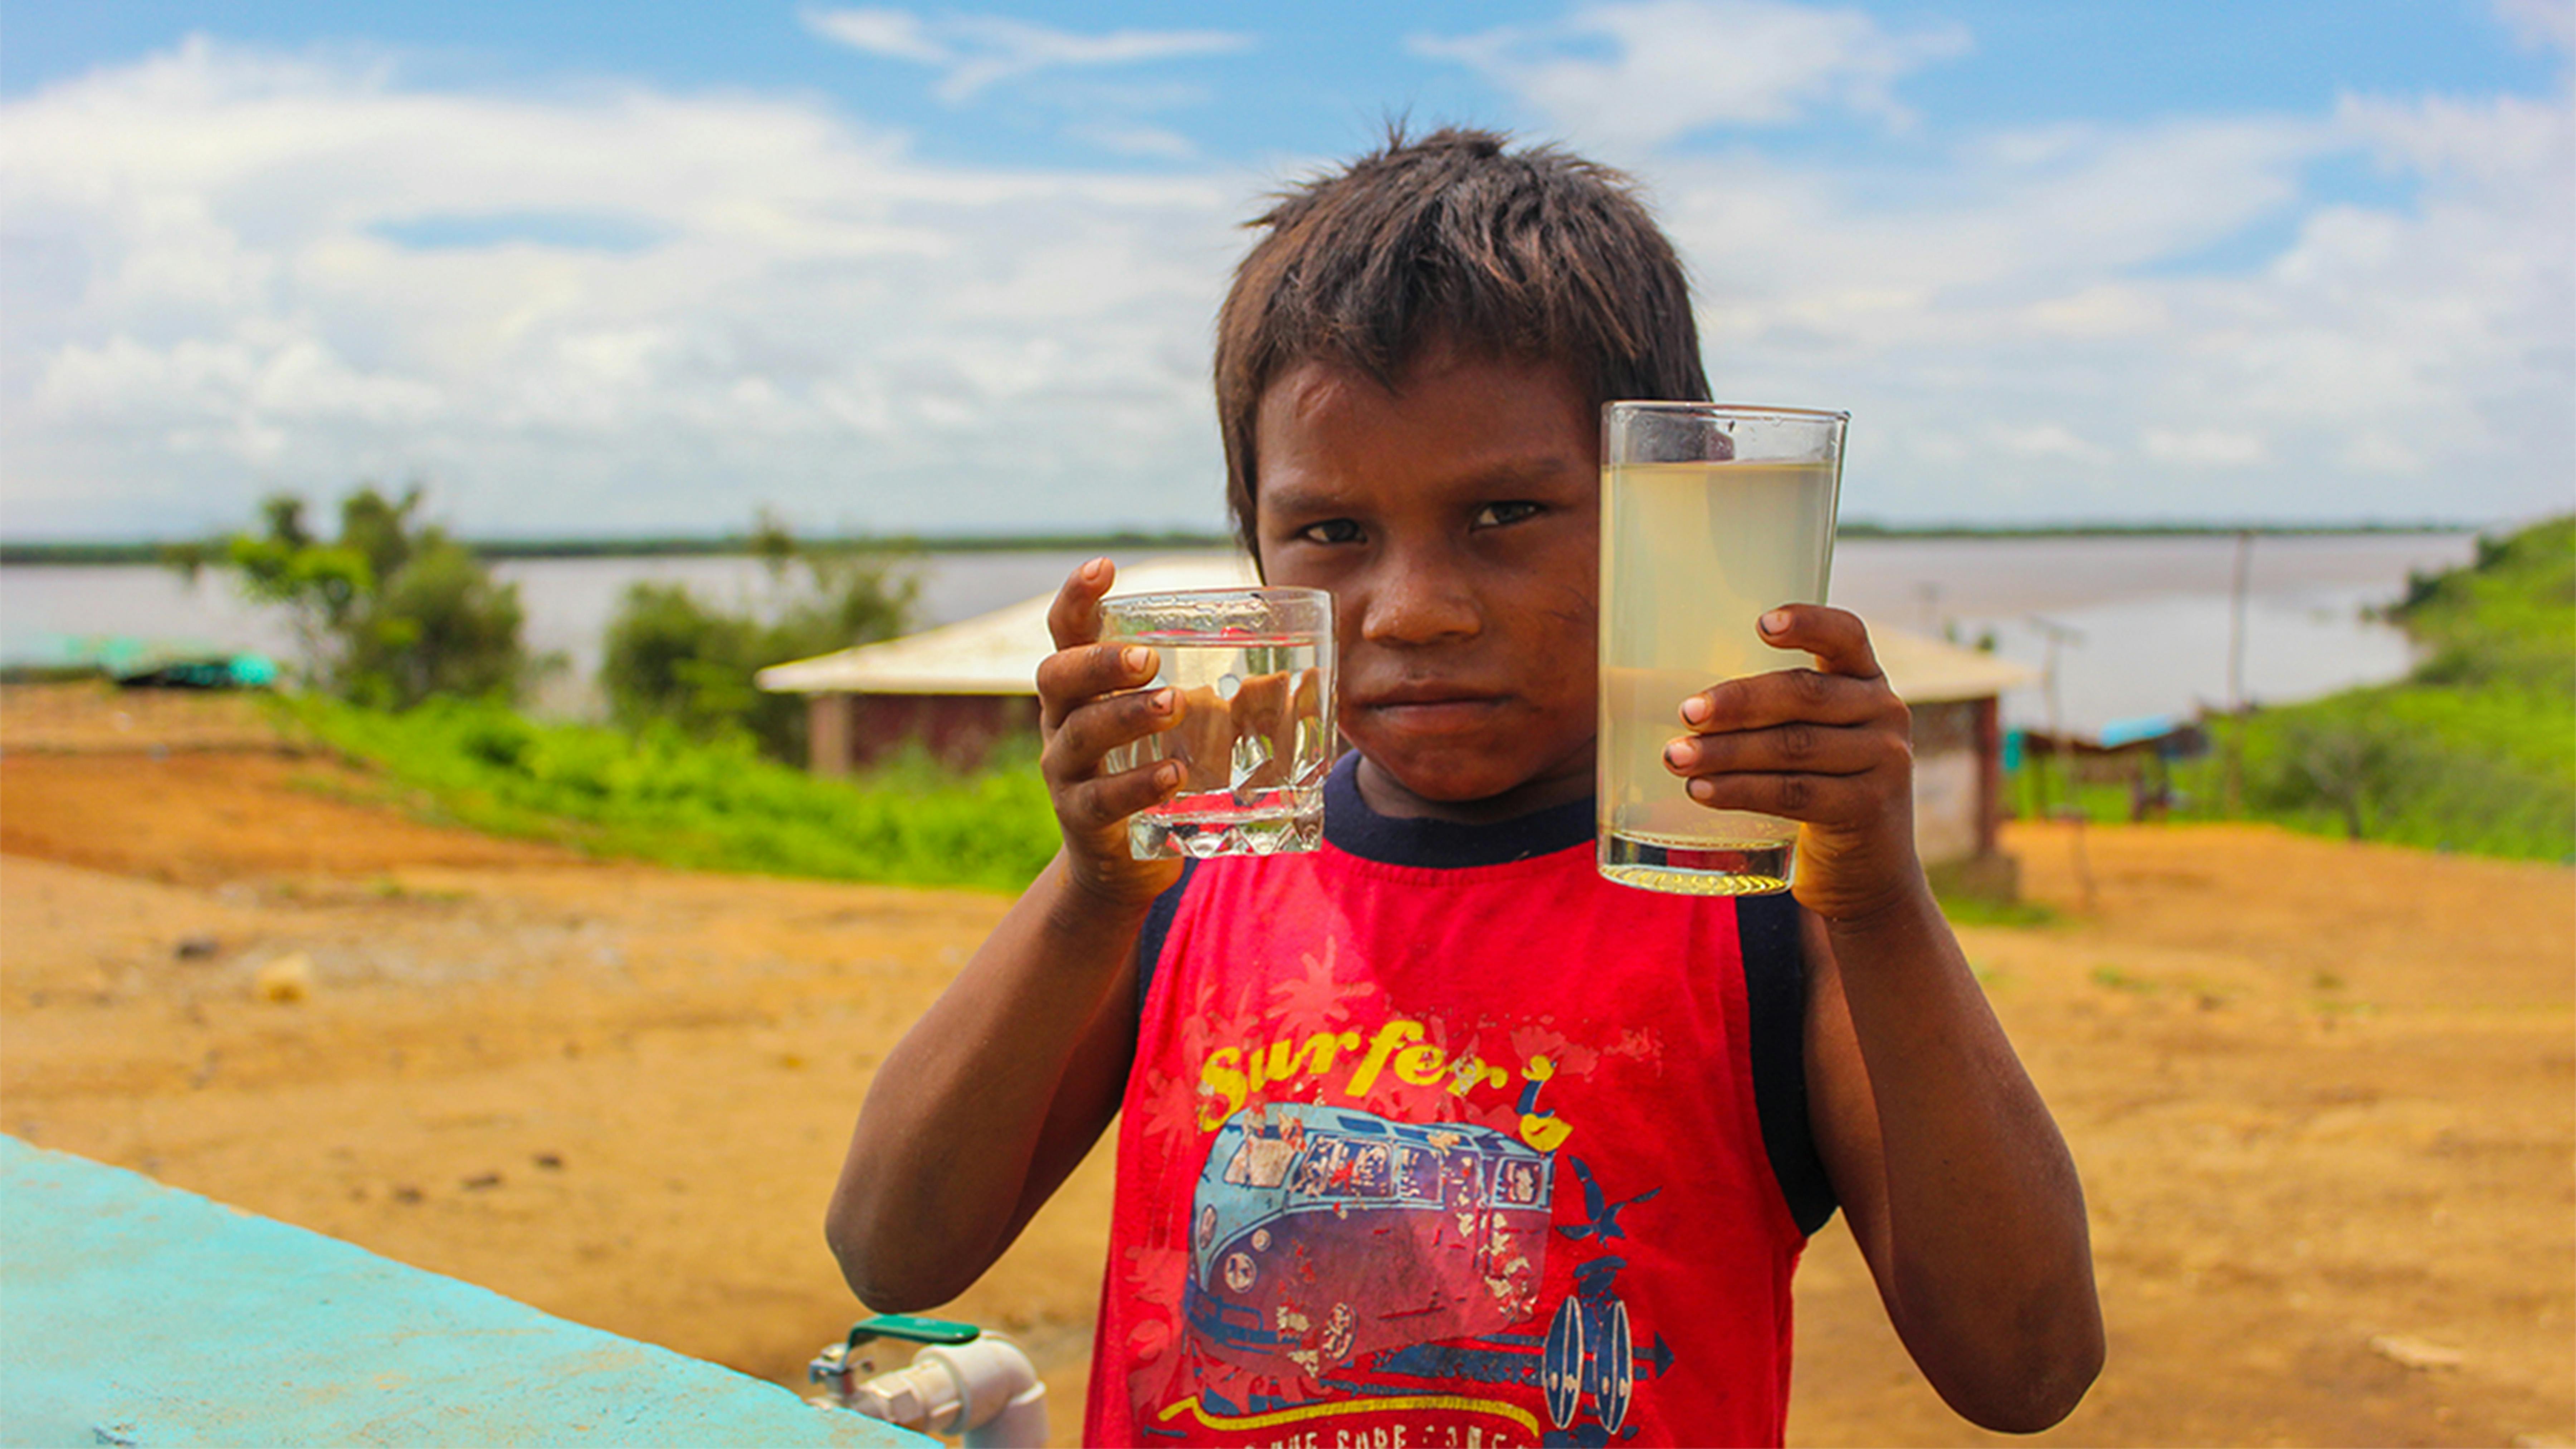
(1427, 706)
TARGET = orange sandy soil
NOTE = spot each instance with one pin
(2323, 1095)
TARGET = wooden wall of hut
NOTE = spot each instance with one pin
(851, 732)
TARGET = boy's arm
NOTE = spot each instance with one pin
(977, 1116)
(1958, 1187)
(989, 1102)
(1956, 1183)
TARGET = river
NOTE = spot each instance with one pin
(2129, 626)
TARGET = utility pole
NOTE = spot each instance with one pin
(2235, 757)
(2056, 634)
(2064, 750)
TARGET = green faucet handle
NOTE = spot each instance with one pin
(912, 1329)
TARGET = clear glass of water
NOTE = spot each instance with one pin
(1254, 668)
(1711, 515)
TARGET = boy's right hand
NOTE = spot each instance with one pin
(1090, 701)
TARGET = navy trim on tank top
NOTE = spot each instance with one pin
(1775, 1005)
(1355, 829)
(1158, 929)
(1775, 976)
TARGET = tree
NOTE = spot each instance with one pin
(390, 613)
(672, 657)
(2349, 765)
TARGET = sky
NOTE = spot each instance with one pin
(589, 269)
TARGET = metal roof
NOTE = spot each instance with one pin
(1926, 670)
(998, 653)
(995, 653)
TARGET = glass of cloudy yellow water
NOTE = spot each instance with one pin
(1254, 668)
(1711, 515)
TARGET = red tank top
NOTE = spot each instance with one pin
(1435, 1138)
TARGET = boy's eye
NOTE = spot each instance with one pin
(1331, 530)
(1494, 515)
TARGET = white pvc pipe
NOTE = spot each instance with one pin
(986, 1390)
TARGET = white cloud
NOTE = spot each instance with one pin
(2046, 296)
(2048, 441)
(209, 301)
(2106, 309)
(980, 51)
(209, 294)
(1675, 67)
(2205, 447)
(2378, 449)
(898, 34)
(2076, 318)
(2541, 24)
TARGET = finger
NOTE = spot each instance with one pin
(1821, 798)
(1783, 696)
(1074, 751)
(1074, 617)
(1797, 746)
(1836, 637)
(1072, 677)
(1097, 806)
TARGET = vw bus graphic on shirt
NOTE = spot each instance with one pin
(1349, 1249)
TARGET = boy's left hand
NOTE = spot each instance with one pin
(1830, 747)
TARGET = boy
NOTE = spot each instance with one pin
(1432, 1136)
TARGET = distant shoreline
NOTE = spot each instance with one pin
(721, 545)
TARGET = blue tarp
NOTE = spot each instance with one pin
(2142, 727)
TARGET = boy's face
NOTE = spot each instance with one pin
(1456, 521)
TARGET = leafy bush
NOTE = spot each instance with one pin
(658, 795)
(672, 659)
(391, 613)
(669, 658)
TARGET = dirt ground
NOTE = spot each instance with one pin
(2323, 1096)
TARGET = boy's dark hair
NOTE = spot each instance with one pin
(1528, 254)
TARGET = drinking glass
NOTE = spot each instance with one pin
(1254, 668)
(1711, 515)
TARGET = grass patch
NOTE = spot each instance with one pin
(657, 796)
(2476, 750)
(2119, 980)
(1970, 910)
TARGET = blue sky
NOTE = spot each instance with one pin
(649, 267)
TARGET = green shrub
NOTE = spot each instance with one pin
(658, 795)
(391, 613)
(672, 658)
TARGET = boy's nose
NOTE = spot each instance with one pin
(1411, 604)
